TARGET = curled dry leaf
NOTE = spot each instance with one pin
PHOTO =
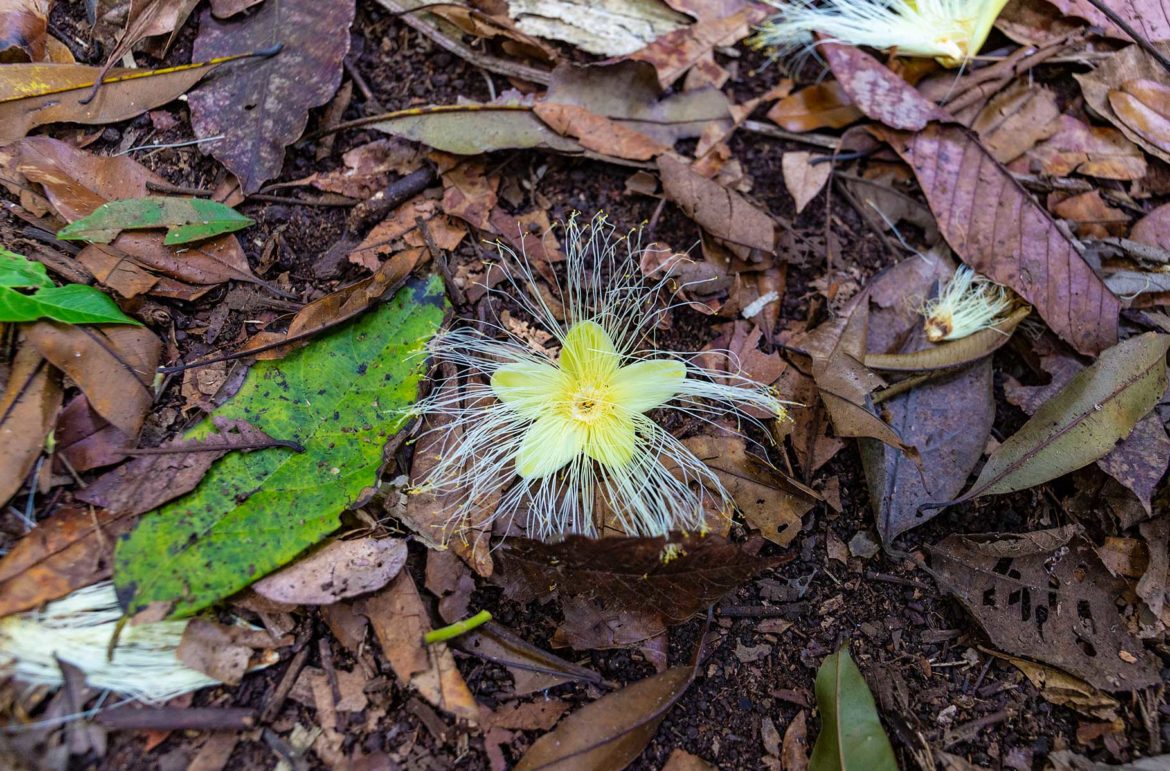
(23, 30)
(260, 108)
(675, 576)
(1045, 595)
(1144, 106)
(1138, 461)
(824, 105)
(114, 366)
(598, 133)
(1128, 64)
(400, 621)
(1096, 408)
(676, 52)
(225, 652)
(1062, 688)
(335, 571)
(612, 731)
(1096, 151)
(952, 353)
(28, 410)
(533, 669)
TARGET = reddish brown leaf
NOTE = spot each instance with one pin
(334, 571)
(674, 576)
(1089, 215)
(114, 365)
(1015, 120)
(598, 133)
(1150, 18)
(264, 106)
(997, 228)
(533, 669)
(676, 52)
(23, 28)
(86, 440)
(824, 105)
(1097, 151)
(723, 213)
(1144, 106)
(28, 410)
(877, 92)
(1128, 64)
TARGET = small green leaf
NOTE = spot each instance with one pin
(340, 398)
(19, 271)
(186, 220)
(71, 304)
(851, 738)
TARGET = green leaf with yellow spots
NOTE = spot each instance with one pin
(186, 220)
(341, 398)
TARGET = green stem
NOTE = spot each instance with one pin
(458, 628)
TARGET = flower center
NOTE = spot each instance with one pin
(589, 404)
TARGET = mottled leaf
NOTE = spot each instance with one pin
(851, 737)
(186, 219)
(878, 92)
(263, 106)
(336, 570)
(340, 399)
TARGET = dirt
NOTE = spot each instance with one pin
(918, 648)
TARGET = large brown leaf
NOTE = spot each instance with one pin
(264, 106)
(997, 228)
(113, 364)
(1151, 18)
(28, 409)
(1045, 595)
(675, 576)
(722, 212)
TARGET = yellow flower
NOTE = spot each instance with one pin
(951, 31)
(553, 435)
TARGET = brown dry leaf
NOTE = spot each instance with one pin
(1034, 22)
(335, 571)
(723, 213)
(598, 133)
(1151, 587)
(28, 410)
(681, 760)
(401, 227)
(449, 579)
(769, 502)
(1062, 688)
(1096, 151)
(225, 9)
(1015, 120)
(86, 440)
(222, 651)
(878, 92)
(675, 576)
(264, 106)
(824, 105)
(803, 178)
(1128, 64)
(1154, 228)
(366, 169)
(148, 18)
(674, 53)
(34, 95)
(1014, 242)
(114, 366)
(1046, 595)
(1143, 106)
(336, 308)
(1148, 17)
(794, 750)
(809, 432)
(528, 716)
(612, 731)
(1137, 462)
(1090, 215)
(588, 625)
(533, 669)
(470, 195)
(400, 621)
(24, 26)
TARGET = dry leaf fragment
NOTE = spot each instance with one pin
(723, 213)
(803, 178)
(824, 105)
(1144, 106)
(1096, 151)
(1128, 64)
(23, 30)
(676, 52)
(336, 570)
(598, 133)
(1015, 120)
(28, 410)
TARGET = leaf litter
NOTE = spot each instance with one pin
(774, 232)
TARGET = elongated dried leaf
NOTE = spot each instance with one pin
(852, 737)
(998, 229)
(952, 353)
(33, 95)
(262, 107)
(723, 213)
(1062, 688)
(471, 129)
(1137, 461)
(674, 576)
(877, 92)
(337, 570)
(598, 133)
(1045, 595)
(113, 365)
(533, 669)
(28, 410)
(1096, 409)
(612, 731)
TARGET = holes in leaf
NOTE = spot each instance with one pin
(989, 597)
(1003, 565)
(1087, 647)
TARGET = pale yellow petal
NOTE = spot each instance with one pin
(528, 388)
(647, 384)
(588, 353)
(550, 443)
(610, 441)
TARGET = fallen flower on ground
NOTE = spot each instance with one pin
(967, 304)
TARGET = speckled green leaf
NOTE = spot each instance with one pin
(186, 220)
(71, 304)
(851, 737)
(341, 398)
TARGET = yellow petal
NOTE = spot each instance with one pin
(610, 441)
(528, 388)
(588, 353)
(647, 384)
(551, 442)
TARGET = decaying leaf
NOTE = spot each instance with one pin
(803, 178)
(28, 410)
(951, 353)
(612, 731)
(1128, 64)
(613, 28)
(1096, 408)
(1096, 151)
(261, 108)
(471, 129)
(335, 571)
(23, 30)
(1045, 595)
(1148, 17)
(675, 576)
(674, 53)
(851, 733)
(1062, 688)
(533, 669)
(878, 92)
(186, 219)
(400, 622)
(823, 105)
(723, 213)
(1015, 120)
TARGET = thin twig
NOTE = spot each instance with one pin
(1128, 29)
(768, 130)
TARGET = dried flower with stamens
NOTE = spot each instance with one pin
(967, 304)
(951, 31)
(554, 435)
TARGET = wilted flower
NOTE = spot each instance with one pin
(554, 434)
(951, 31)
(967, 304)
